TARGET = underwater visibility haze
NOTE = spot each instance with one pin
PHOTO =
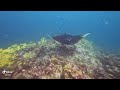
(55, 45)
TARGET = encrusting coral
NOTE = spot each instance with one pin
(47, 59)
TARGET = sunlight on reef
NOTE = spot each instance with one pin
(47, 59)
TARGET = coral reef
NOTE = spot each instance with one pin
(7, 55)
(47, 59)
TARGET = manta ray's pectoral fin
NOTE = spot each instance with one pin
(85, 35)
(49, 36)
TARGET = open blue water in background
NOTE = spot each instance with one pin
(26, 26)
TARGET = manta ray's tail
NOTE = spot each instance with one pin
(85, 35)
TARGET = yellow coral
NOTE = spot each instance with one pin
(6, 58)
(7, 55)
(16, 47)
(43, 41)
(5, 63)
(29, 55)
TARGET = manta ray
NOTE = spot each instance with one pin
(69, 39)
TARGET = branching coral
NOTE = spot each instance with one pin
(87, 54)
(53, 68)
(29, 55)
(7, 55)
(16, 47)
(42, 42)
(74, 72)
(48, 60)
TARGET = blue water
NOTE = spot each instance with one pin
(26, 26)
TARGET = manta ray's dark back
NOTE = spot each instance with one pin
(67, 39)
